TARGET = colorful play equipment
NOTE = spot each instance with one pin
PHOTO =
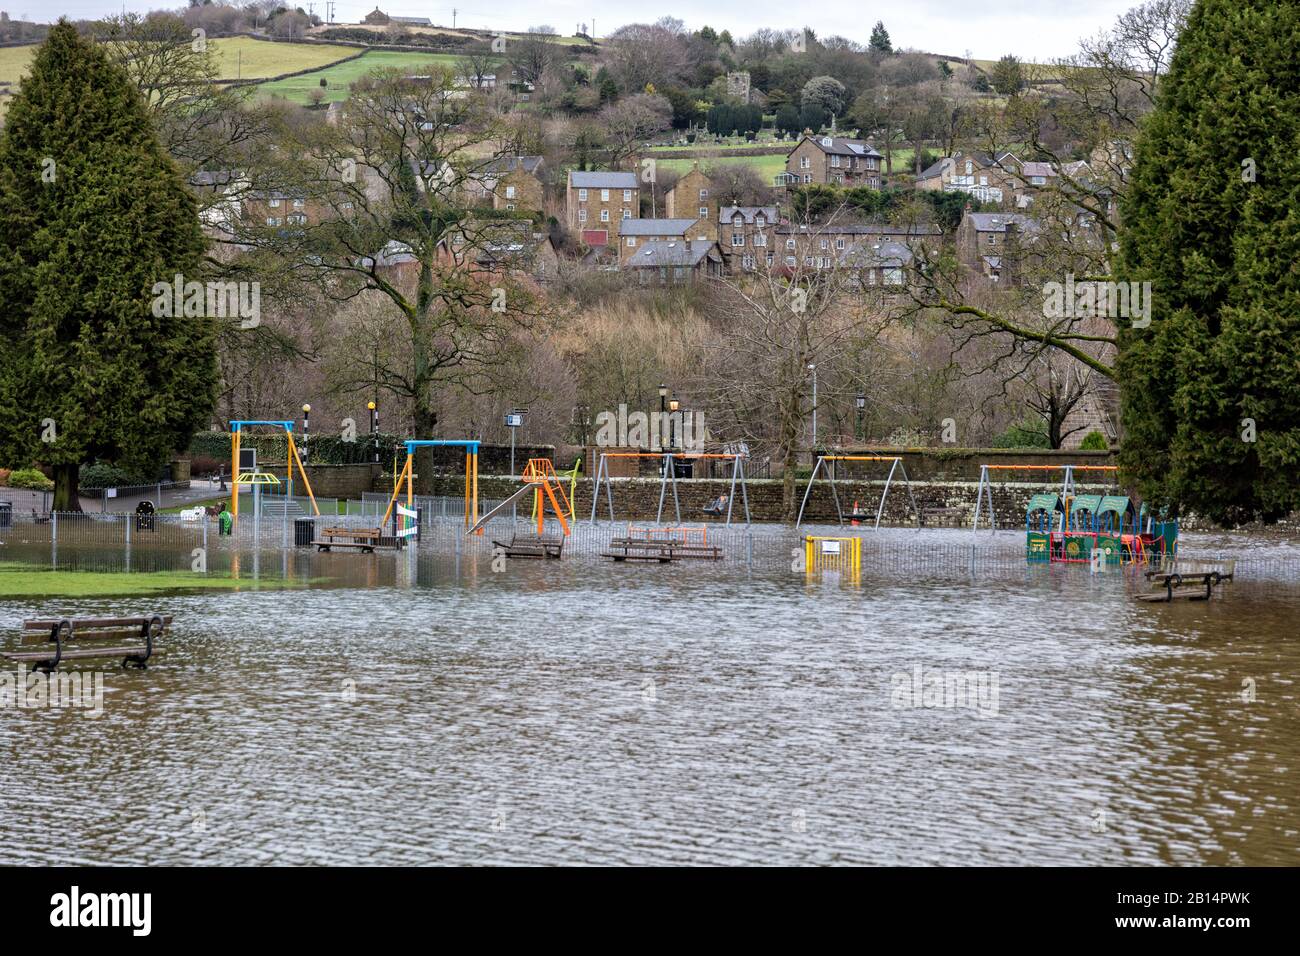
(832, 554)
(1071, 528)
(236, 428)
(668, 476)
(825, 462)
(540, 480)
(407, 476)
(572, 476)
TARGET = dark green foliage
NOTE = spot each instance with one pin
(814, 117)
(787, 119)
(815, 201)
(1031, 433)
(1220, 362)
(880, 41)
(1093, 441)
(723, 119)
(79, 256)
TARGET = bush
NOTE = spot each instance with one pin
(1028, 434)
(30, 478)
(104, 475)
(1094, 441)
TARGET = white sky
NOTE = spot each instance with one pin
(1034, 30)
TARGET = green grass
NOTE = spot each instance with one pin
(14, 61)
(23, 581)
(766, 166)
(249, 59)
(339, 78)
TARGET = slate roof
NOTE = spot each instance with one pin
(747, 213)
(669, 252)
(602, 180)
(655, 227)
(837, 145)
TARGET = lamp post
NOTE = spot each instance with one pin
(663, 398)
(673, 406)
(813, 368)
(306, 424)
(374, 427)
(861, 402)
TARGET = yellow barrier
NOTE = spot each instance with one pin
(832, 554)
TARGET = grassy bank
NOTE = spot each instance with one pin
(24, 581)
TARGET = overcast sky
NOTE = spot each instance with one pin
(1034, 30)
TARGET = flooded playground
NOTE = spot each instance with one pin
(420, 707)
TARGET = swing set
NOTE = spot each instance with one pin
(236, 428)
(407, 476)
(824, 463)
(668, 477)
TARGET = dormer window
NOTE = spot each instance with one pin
(760, 221)
(826, 141)
(970, 168)
(737, 220)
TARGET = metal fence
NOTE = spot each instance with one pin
(170, 542)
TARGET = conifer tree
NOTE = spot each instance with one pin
(93, 213)
(1211, 388)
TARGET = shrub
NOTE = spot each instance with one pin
(30, 478)
(1028, 434)
(1094, 441)
(104, 475)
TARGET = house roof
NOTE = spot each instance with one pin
(214, 177)
(671, 252)
(747, 213)
(883, 253)
(508, 164)
(602, 180)
(935, 170)
(655, 227)
(837, 145)
(394, 253)
(860, 229)
(413, 21)
(1037, 169)
(997, 221)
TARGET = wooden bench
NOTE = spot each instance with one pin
(363, 539)
(1170, 585)
(659, 549)
(64, 632)
(533, 546)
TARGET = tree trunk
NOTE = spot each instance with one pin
(66, 496)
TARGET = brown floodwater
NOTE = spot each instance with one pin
(426, 709)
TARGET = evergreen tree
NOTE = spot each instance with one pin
(880, 41)
(1211, 388)
(93, 213)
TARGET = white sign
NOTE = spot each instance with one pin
(412, 526)
(830, 547)
(514, 420)
(110, 492)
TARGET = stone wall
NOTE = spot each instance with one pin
(637, 499)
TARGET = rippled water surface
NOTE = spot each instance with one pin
(580, 712)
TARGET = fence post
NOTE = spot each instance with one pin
(127, 522)
(54, 539)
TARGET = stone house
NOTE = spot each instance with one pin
(746, 235)
(596, 203)
(673, 262)
(692, 198)
(831, 161)
(634, 233)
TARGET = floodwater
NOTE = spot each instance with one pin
(580, 712)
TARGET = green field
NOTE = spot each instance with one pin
(249, 59)
(22, 581)
(339, 78)
(14, 61)
(766, 166)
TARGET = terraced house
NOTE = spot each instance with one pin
(596, 203)
(747, 235)
(511, 183)
(831, 161)
(692, 197)
(634, 233)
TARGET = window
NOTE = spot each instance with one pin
(510, 192)
(970, 168)
(510, 206)
(627, 213)
(737, 239)
(789, 261)
(805, 162)
(826, 244)
(604, 195)
(274, 204)
(273, 220)
(893, 276)
(747, 262)
(345, 205)
(298, 204)
(871, 277)
(770, 257)
(807, 177)
(760, 221)
(807, 260)
(760, 239)
(582, 215)
(604, 215)
(704, 194)
(704, 212)
(297, 219)
(984, 180)
(679, 272)
(839, 243)
(789, 243)
(1038, 180)
(630, 242)
(582, 195)
(835, 161)
(627, 195)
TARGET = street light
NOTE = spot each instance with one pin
(673, 405)
(813, 368)
(663, 395)
(861, 402)
(374, 427)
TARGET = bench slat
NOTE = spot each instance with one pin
(75, 653)
(92, 622)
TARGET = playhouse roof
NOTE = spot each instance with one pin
(1089, 503)
(1044, 502)
(1119, 504)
